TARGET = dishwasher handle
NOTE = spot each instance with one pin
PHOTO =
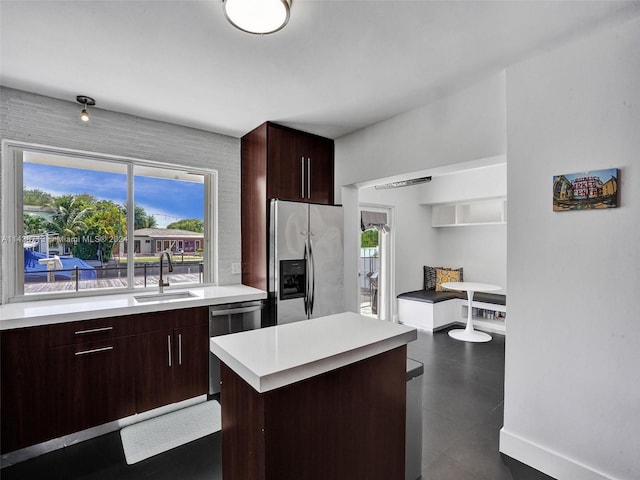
(233, 311)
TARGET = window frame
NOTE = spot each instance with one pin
(11, 200)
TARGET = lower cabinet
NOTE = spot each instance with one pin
(63, 378)
(91, 383)
(172, 360)
(25, 410)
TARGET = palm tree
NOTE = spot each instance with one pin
(68, 218)
(140, 218)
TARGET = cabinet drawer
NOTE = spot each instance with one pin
(90, 330)
(91, 383)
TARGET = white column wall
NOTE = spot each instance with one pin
(572, 388)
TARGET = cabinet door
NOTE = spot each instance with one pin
(92, 384)
(191, 362)
(320, 170)
(25, 413)
(285, 161)
(154, 369)
(172, 359)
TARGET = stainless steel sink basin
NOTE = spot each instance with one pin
(161, 297)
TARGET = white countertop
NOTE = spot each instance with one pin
(273, 357)
(44, 312)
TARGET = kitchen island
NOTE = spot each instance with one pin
(316, 399)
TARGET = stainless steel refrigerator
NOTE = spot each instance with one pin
(306, 260)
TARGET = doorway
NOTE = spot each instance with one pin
(374, 262)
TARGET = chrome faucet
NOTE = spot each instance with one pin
(162, 283)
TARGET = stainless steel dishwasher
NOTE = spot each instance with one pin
(230, 318)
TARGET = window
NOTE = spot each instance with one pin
(75, 215)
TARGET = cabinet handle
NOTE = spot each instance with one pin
(95, 350)
(179, 349)
(93, 330)
(302, 178)
(308, 177)
(169, 347)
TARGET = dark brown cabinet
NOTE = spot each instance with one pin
(172, 357)
(354, 415)
(25, 413)
(299, 165)
(279, 162)
(91, 384)
(63, 378)
(90, 371)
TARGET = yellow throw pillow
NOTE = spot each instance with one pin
(444, 275)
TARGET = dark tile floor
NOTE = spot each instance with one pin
(462, 417)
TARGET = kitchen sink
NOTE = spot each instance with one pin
(160, 297)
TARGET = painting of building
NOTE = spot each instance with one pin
(585, 190)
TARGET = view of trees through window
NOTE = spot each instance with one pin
(76, 232)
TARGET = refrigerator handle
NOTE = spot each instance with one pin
(313, 275)
(306, 286)
(309, 178)
(302, 178)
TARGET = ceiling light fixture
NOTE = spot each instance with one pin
(259, 17)
(86, 101)
(403, 183)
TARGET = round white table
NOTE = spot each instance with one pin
(468, 334)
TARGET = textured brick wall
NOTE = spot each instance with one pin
(37, 119)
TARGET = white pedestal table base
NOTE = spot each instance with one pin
(468, 334)
(473, 336)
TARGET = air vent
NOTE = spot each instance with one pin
(404, 183)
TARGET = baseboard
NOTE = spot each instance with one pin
(547, 461)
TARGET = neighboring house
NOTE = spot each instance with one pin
(155, 240)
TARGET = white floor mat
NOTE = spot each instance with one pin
(156, 435)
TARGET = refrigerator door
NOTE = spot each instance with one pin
(326, 289)
(288, 230)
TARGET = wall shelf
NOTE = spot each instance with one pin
(477, 212)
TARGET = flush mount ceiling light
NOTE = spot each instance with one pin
(86, 101)
(403, 183)
(259, 17)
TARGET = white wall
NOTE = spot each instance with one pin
(472, 184)
(412, 235)
(36, 119)
(480, 249)
(572, 386)
(462, 128)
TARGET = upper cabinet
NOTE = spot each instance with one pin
(299, 165)
(278, 162)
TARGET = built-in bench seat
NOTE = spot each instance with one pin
(431, 296)
(431, 310)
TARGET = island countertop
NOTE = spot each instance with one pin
(274, 357)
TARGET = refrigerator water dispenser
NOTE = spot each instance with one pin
(293, 278)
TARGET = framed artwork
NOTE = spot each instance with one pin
(586, 190)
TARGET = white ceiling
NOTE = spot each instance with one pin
(337, 67)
